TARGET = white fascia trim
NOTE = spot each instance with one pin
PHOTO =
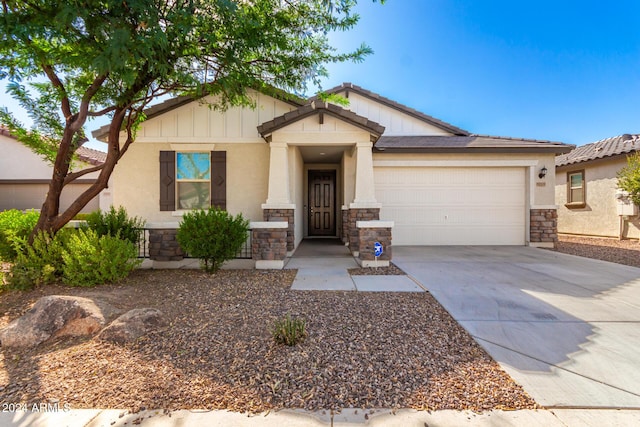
(278, 206)
(365, 205)
(374, 224)
(544, 207)
(162, 225)
(268, 224)
(455, 163)
(264, 264)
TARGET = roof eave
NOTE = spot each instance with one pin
(492, 150)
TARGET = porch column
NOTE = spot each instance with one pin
(278, 174)
(279, 207)
(365, 196)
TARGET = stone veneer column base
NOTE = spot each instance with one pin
(283, 215)
(370, 232)
(163, 245)
(355, 215)
(543, 228)
(269, 244)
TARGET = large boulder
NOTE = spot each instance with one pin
(52, 317)
(132, 325)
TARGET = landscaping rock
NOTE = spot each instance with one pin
(132, 325)
(52, 317)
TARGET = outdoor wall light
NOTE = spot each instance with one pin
(543, 172)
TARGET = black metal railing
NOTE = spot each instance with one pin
(143, 246)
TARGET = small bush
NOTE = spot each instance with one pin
(115, 223)
(15, 227)
(213, 236)
(288, 330)
(38, 264)
(90, 259)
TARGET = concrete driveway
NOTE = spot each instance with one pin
(566, 328)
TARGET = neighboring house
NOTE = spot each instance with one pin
(25, 176)
(321, 168)
(586, 189)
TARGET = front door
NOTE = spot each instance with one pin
(322, 203)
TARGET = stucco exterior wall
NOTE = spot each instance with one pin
(599, 217)
(24, 179)
(298, 191)
(136, 179)
(543, 189)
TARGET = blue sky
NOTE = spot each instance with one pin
(563, 70)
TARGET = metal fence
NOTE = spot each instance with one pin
(143, 246)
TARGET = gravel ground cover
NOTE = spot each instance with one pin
(392, 270)
(364, 350)
(619, 251)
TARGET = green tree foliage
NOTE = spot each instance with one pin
(629, 178)
(214, 236)
(72, 60)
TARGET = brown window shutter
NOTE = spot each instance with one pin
(219, 179)
(167, 180)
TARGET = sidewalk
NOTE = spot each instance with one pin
(347, 418)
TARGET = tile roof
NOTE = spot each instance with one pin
(316, 107)
(471, 142)
(350, 87)
(89, 155)
(609, 147)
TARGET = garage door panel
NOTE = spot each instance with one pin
(453, 206)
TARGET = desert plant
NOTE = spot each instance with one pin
(39, 263)
(90, 259)
(214, 236)
(15, 227)
(629, 178)
(288, 330)
(115, 223)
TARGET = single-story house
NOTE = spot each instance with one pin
(25, 176)
(587, 189)
(321, 169)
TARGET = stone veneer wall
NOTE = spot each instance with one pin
(368, 236)
(543, 226)
(355, 215)
(344, 236)
(269, 244)
(283, 215)
(163, 245)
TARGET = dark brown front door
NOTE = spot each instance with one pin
(322, 203)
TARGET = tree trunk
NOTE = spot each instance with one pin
(51, 220)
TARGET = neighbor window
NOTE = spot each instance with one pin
(193, 179)
(575, 189)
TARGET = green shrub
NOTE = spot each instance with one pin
(15, 227)
(38, 264)
(214, 236)
(288, 330)
(90, 259)
(115, 223)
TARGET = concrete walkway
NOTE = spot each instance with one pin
(566, 328)
(323, 266)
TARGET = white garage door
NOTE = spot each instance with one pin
(453, 206)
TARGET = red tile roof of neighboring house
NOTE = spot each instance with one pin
(609, 147)
(89, 155)
(85, 154)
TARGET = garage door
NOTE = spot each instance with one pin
(453, 206)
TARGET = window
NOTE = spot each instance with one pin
(193, 179)
(576, 189)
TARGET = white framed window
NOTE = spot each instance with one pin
(193, 180)
(576, 195)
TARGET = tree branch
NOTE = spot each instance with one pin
(75, 175)
(57, 83)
